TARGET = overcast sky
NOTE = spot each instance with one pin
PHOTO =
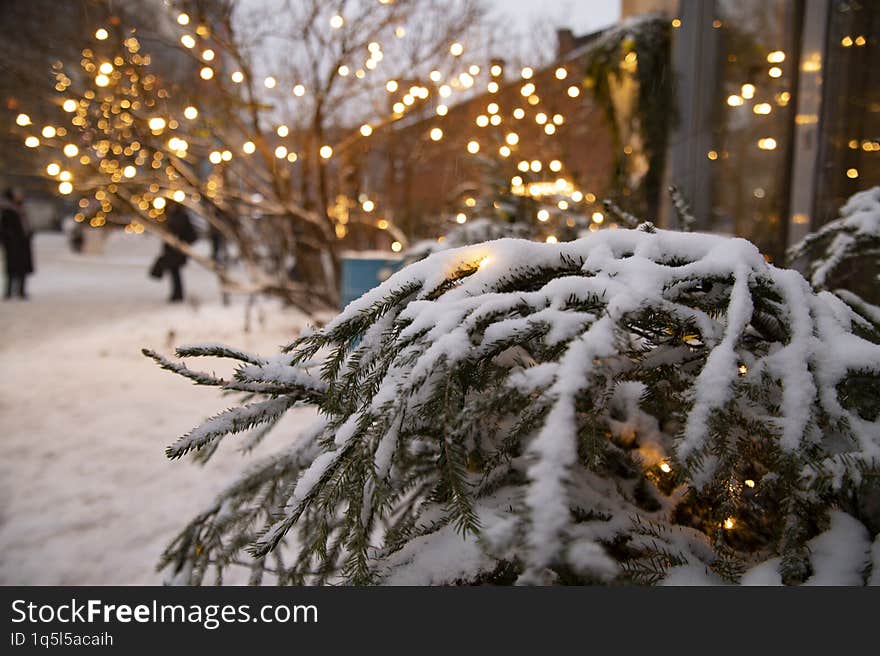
(582, 16)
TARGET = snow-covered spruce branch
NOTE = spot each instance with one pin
(845, 253)
(634, 406)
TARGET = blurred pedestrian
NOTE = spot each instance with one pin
(172, 259)
(15, 233)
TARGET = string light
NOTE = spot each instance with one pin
(206, 73)
(48, 132)
(101, 34)
(188, 41)
(71, 150)
(281, 152)
(299, 90)
(665, 468)
(767, 143)
(473, 147)
(396, 246)
(190, 112)
(31, 142)
(461, 218)
(729, 523)
(749, 483)
(748, 91)
(573, 91)
(561, 73)
(183, 19)
(282, 131)
(270, 82)
(53, 169)
(22, 120)
(456, 49)
(237, 77)
(776, 57)
(326, 152)
(337, 21)
(366, 130)
(436, 134)
(775, 71)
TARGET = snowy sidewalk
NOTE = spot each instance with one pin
(86, 493)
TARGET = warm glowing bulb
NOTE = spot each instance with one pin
(129, 171)
(776, 57)
(436, 134)
(179, 195)
(473, 147)
(748, 91)
(396, 246)
(775, 71)
(573, 91)
(159, 203)
(65, 188)
(442, 110)
(215, 157)
(23, 119)
(482, 120)
(299, 90)
(536, 166)
(561, 73)
(598, 217)
(343, 70)
(336, 21)
(48, 132)
(206, 73)
(551, 239)
(70, 150)
(368, 206)
(749, 483)
(53, 169)
(156, 124)
(31, 142)
(504, 151)
(101, 34)
(208, 55)
(556, 166)
(729, 523)
(852, 173)
(270, 82)
(665, 468)
(519, 113)
(101, 80)
(190, 112)
(456, 49)
(188, 41)
(734, 100)
(543, 215)
(281, 152)
(461, 218)
(326, 152)
(527, 73)
(391, 86)
(767, 143)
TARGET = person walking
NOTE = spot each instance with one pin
(15, 233)
(172, 259)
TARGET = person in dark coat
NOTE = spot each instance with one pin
(172, 259)
(15, 233)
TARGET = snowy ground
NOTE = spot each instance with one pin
(86, 494)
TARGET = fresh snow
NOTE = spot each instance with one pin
(87, 495)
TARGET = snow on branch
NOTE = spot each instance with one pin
(622, 407)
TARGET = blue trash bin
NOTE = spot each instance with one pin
(362, 271)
